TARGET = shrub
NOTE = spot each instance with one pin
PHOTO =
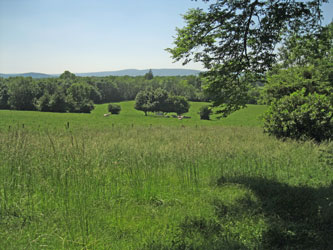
(205, 112)
(114, 109)
(86, 106)
(300, 116)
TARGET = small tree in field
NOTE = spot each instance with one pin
(114, 109)
(205, 112)
(143, 101)
(159, 100)
(177, 104)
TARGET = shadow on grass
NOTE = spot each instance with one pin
(295, 217)
(298, 217)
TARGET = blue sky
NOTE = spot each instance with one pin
(51, 36)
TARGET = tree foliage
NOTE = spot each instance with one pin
(114, 108)
(4, 96)
(70, 93)
(205, 112)
(305, 62)
(143, 101)
(284, 82)
(301, 116)
(176, 104)
(22, 93)
(78, 98)
(149, 75)
(308, 49)
(67, 75)
(300, 89)
(58, 101)
(43, 103)
(159, 100)
(235, 37)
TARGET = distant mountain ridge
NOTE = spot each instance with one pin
(30, 74)
(128, 72)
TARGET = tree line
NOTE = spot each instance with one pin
(70, 93)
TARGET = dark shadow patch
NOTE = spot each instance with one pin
(298, 217)
(196, 233)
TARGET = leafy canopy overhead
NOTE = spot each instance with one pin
(235, 37)
(305, 62)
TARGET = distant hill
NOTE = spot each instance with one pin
(137, 72)
(125, 72)
(30, 74)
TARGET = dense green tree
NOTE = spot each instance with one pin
(143, 101)
(309, 49)
(43, 103)
(305, 62)
(22, 93)
(94, 94)
(4, 96)
(286, 81)
(128, 87)
(205, 112)
(67, 75)
(160, 100)
(78, 98)
(108, 89)
(235, 37)
(114, 108)
(300, 89)
(176, 104)
(301, 115)
(149, 75)
(58, 101)
(86, 106)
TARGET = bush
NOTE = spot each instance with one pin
(300, 116)
(205, 112)
(86, 106)
(114, 109)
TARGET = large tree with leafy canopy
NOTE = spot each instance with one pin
(238, 38)
(304, 62)
(300, 89)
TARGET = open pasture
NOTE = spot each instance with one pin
(127, 117)
(203, 185)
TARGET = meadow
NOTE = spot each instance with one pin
(128, 117)
(84, 181)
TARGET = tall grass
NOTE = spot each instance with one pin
(160, 187)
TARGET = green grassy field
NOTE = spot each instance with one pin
(159, 184)
(128, 117)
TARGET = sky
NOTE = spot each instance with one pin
(51, 36)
